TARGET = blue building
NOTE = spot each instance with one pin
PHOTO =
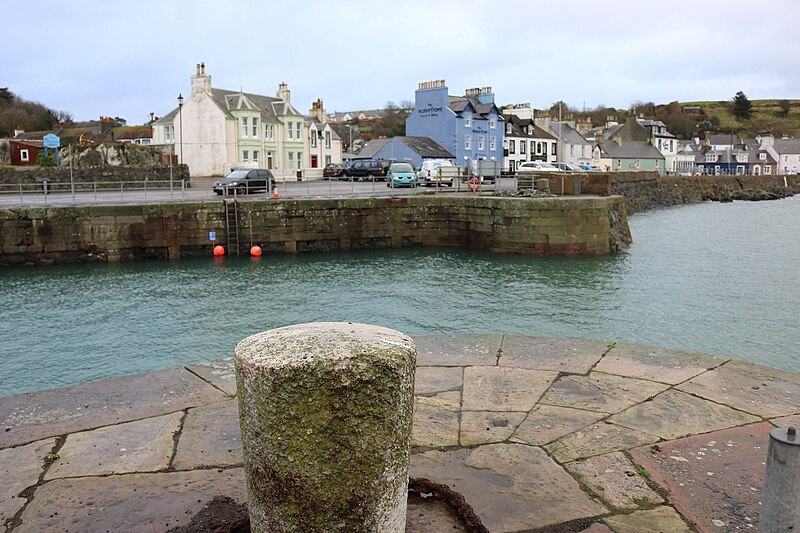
(414, 150)
(469, 126)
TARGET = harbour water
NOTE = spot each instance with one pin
(719, 278)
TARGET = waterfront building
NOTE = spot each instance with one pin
(324, 144)
(470, 126)
(572, 147)
(728, 161)
(786, 153)
(664, 142)
(629, 147)
(414, 150)
(215, 130)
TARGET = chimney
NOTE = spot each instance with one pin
(284, 93)
(201, 82)
(19, 130)
(318, 111)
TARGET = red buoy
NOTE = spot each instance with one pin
(219, 251)
(255, 251)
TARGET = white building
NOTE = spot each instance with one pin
(525, 141)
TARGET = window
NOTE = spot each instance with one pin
(244, 126)
(512, 146)
(508, 128)
(539, 148)
(328, 140)
(492, 121)
(467, 142)
(711, 158)
(169, 134)
(291, 159)
(480, 142)
(299, 158)
(533, 147)
(289, 131)
(762, 156)
(554, 151)
(740, 170)
(255, 128)
(269, 132)
(313, 138)
(522, 147)
(328, 160)
(255, 156)
(245, 156)
(467, 119)
(24, 155)
(767, 169)
(671, 145)
(299, 129)
(491, 143)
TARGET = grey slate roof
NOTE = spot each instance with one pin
(370, 148)
(724, 140)
(426, 147)
(519, 128)
(787, 146)
(631, 150)
(569, 134)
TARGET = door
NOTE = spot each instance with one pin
(313, 161)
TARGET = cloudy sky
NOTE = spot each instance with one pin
(126, 59)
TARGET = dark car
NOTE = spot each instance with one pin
(245, 181)
(333, 170)
(368, 169)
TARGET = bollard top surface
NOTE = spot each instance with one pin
(785, 436)
(326, 342)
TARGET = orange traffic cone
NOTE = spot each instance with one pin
(275, 193)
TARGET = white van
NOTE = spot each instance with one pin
(429, 174)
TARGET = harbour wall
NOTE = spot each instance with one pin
(537, 226)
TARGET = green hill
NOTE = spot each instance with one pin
(767, 116)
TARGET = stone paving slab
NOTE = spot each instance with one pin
(715, 479)
(512, 487)
(20, 468)
(211, 436)
(674, 414)
(600, 392)
(219, 373)
(436, 420)
(430, 379)
(616, 481)
(504, 389)
(141, 446)
(545, 423)
(28, 417)
(478, 427)
(763, 391)
(787, 421)
(597, 439)
(132, 503)
(458, 350)
(544, 353)
(432, 516)
(659, 520)
(656, 364)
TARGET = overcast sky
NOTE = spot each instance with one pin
(126, 59)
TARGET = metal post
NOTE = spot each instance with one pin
(780, 511)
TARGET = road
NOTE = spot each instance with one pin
(288, 190)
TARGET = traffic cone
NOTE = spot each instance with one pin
(275, 192)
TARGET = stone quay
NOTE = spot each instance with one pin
(535, 433)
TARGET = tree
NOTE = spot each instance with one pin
(785, 106)
(646, 109)
(6, 96)
(742, 107)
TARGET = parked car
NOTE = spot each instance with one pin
(589, 168)
(333, 170)
(368, 169)
(567, 167)
(537, 166)
(401, 175)
(245, 181)
(428, 173)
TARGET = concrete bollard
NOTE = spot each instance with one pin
(543, 184)
(326, 412)
(780, 510)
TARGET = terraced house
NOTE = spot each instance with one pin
(214, 130)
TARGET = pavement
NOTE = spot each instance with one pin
(537, 434)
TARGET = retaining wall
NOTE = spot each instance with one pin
(61, 175)
(540, 226)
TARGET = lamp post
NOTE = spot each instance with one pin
(180, 119)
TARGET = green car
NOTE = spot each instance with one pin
(401, 175)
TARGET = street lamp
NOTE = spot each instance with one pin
(180, 119)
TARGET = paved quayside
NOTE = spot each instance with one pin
(533, 432)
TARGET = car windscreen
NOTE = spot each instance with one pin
(237, 174)
(402, 167)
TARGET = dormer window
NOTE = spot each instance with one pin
(492, 121)
(762, 156)
(711, 158)
(467, 118)
(508, 128)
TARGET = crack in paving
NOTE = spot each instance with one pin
(29, 493)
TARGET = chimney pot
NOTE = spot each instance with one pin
(198, 69)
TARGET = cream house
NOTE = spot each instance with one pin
(215, 130)
(324, 145)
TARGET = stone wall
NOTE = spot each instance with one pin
(105, 176)
(540, 226)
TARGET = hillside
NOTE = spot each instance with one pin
(767, 116)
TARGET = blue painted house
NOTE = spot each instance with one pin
(469, 126)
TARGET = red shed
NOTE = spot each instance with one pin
(24, 153)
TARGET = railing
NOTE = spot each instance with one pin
(59, 191)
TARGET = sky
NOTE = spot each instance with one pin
(127, 59)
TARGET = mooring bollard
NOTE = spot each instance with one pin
(326, 412)
(780, 510)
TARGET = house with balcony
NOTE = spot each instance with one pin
(214, 130)
(470, 126)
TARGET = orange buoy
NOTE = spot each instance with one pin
(219, 251)
(474, 184)
(255, 251)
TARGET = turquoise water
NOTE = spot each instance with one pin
(721, 278)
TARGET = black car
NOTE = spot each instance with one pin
(368, 169)
(333, 170)
(245, 181)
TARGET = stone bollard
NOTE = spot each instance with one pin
(543, 184)
(781, 498)
(326, 412)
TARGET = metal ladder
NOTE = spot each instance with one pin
(232, 225)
